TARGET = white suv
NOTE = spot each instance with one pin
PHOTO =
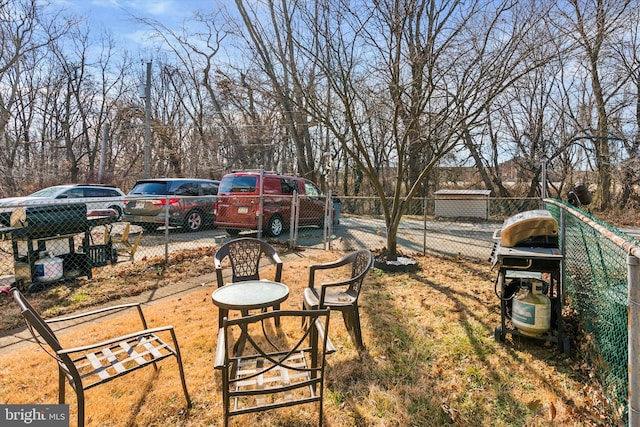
(95, 196)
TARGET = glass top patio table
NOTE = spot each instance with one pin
(251, 294)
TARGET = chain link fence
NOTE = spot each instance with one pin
(458, 226)
(44, 243)
(596, 283)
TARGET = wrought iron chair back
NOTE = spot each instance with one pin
(245, 255)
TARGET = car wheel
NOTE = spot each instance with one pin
(193, 221)
(275, 226)
(148, 226)
(118, 210)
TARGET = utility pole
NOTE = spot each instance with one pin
(103, 151)
(147, 123)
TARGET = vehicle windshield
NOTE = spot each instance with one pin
(154, 188)
(46, 192)
(238, 184)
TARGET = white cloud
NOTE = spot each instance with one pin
(106, 3)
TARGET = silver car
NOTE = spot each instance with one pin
(95, 196)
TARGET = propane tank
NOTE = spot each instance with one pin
(48, 268)
(531, 310)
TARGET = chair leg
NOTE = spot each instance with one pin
(313, 341)
(222, 313)
(180, 367)
(305, 319)
(80, 396)
(352, 322)
(61, 384)
(277, 318)
(225, 396)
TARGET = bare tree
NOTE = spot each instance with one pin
(627, 49)
(24, 33)
(592, 23)
(440, 64)
(277, 54)
(79, 95)
(112, 86)
(227, 105)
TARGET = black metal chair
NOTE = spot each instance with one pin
(245, 255)
(90, 365)
(271, 369)
(341, 295)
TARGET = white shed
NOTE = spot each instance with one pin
(462, 203)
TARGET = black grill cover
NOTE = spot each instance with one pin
(52, 220)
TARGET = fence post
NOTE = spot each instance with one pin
(294, 220)
(424, 225)
(261, 203)
(166, 232)
(633, 268)
(327, 228)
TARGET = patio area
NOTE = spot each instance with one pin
(430, 360)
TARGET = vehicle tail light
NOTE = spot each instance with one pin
(163, 202)
(215, 208)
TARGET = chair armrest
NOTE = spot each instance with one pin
(278, 275)
(217, 263)
(116, 340)
(325, 285)
(273, 256)
(220, 350)
(219, 278)
(327, 265)
(345, 282)
(276, 258)
(93, 312)
(332, 264)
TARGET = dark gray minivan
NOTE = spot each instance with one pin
(189, 202)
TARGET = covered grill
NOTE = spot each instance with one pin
(36, 222)
(52, 242)
(529, 282)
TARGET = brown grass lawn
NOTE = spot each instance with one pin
(431, 360)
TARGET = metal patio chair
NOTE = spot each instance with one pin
(341, 295)
(245, 255)
(273, 370)
(90, 365)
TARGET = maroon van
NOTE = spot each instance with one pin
(238, 205)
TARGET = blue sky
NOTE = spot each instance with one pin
(116, 16)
